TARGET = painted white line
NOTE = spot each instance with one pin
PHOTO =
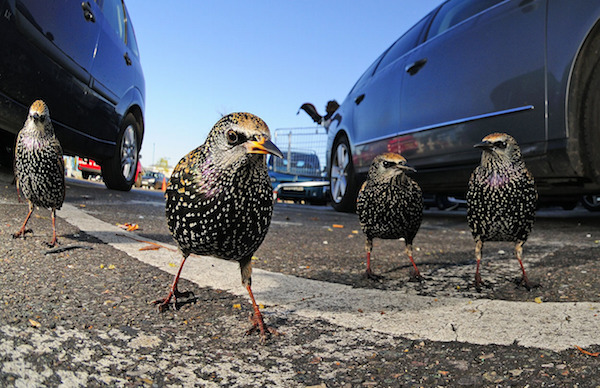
(554, 326)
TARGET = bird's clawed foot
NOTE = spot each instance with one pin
(259, 325)
(21, 233)
(52, 243)
(524, 282)
(163, 304)
(415, 276)
(479, 283)
(370, 275)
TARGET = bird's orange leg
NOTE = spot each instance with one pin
(163, 304)
(519, 253)
(22, 231)
(369, 273)
(415, 275)
(257, 319)
(54, 239)
(478, 248)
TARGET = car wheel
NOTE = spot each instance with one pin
(591, 202)
(85, 175)
(569, 205)
(342, 180)
(119, 171)
(584, 111)
(442, 202)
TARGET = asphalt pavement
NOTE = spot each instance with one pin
(82, 315)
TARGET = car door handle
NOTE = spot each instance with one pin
(127, 59)
(414, 67)
(359, 99)
(88, 15)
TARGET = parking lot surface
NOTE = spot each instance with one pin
(83, 316)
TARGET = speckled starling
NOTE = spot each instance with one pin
(39, 166)
(390, 206)
(220, 201)
(501, 198)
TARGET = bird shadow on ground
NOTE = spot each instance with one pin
(160, 237)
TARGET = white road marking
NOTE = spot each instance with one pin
(553, 326)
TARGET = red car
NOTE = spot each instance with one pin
(88, 167)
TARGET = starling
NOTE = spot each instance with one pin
(39, 166)
(220, 199)
(390, 206)
(501, 198)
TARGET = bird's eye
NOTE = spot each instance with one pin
(500, 144)
(232, 136)
(387, 164)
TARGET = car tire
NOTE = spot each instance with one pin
(85, 175)
(591, 202)
(591, 121)
(119, 171)
(342, 179)
(583, 112)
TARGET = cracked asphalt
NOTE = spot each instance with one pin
(83, 317)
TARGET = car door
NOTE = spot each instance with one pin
(114, 63)
(116, 66)
(377, 99)
(66, 34)
(480, 70)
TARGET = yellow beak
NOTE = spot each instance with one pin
(263, 146)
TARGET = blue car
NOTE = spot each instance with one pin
(470, 68)
(298, 177)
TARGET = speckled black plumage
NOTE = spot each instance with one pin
(219, 197)
(501, 198)
(39, 166)
(390, 205)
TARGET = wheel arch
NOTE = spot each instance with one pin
(587, 60)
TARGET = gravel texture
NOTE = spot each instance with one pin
(84, 316)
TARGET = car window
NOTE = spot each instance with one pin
(366, 75)
(130, 37)
(114, 13)
(403, 45)
(455, 11)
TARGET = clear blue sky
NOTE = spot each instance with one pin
(202, 59)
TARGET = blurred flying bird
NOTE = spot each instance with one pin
(324, 121)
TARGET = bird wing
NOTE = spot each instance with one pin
(312, 112)
(60, 164)
(332, 106)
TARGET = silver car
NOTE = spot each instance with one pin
(471, 67)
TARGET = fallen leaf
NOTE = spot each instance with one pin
(150, 248)
(237, 306)
(128, 226)
(112, 266)
(538, 300)
(172, 265)
(338, 226)
(596, 354)
(34, 323)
